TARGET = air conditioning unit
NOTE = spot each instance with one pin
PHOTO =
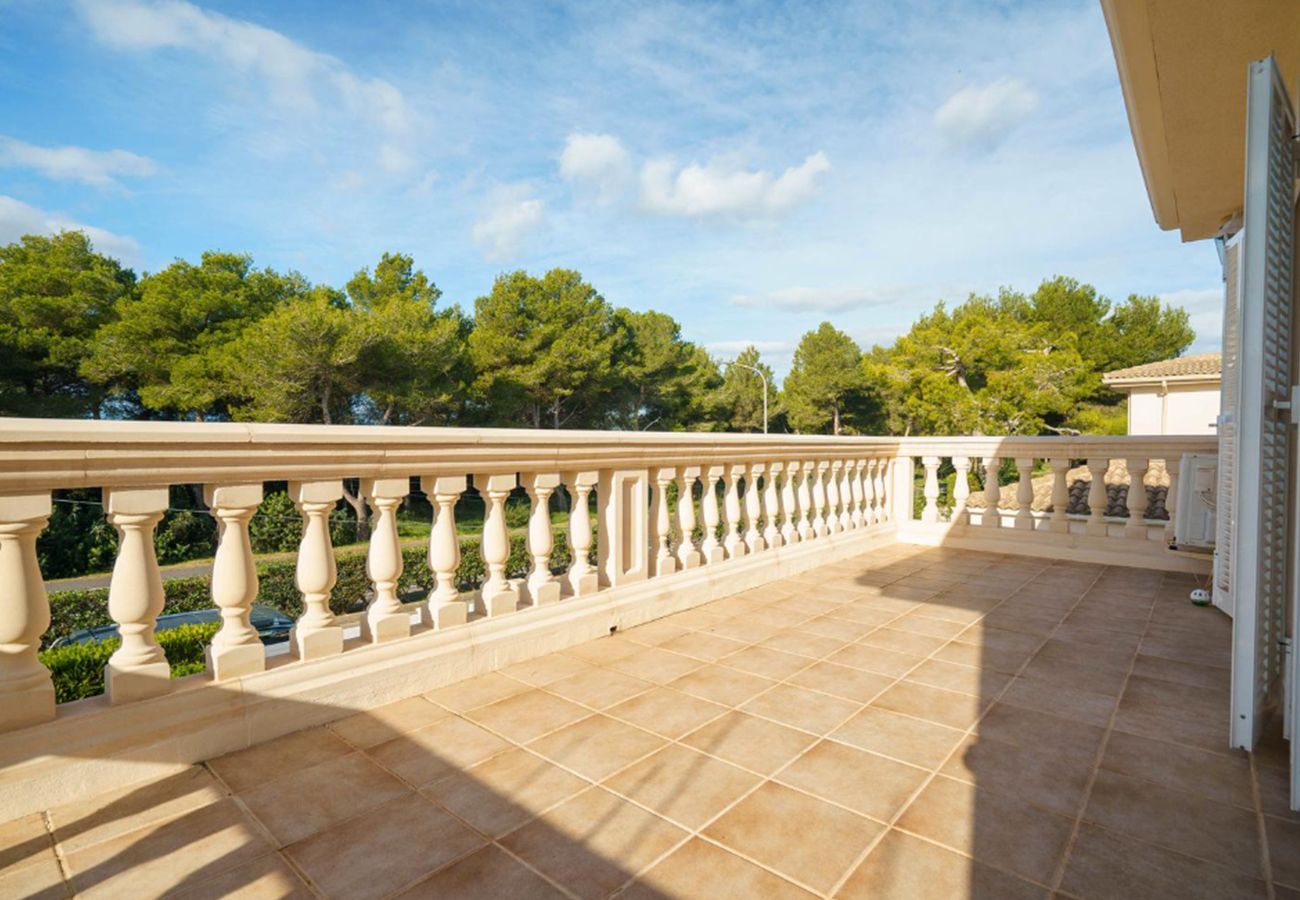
(1194, 514)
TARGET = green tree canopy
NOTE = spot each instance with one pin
(543, 349)
(172, 338)
(660, 377)
(738, 401)
(55, 294)
(825, 381)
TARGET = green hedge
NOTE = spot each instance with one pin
(73, 610)
(78, 669)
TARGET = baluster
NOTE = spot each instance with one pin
(541, 586)
(385, 618)
(884, 490)
(771, 505)
(870, 511)
(859, 496)
(1025, 493)
(582, 577)
(236, 649)
(930, 512)
(709, 547)
(846, 495)
(1060, 495)
(444, 607)
(497, 595)
(1137, 498)
(732, 542)
(1171, 497)
(316, 634)
(687, 555)
(832, 479)
(664, 563)
(820, 528)
(992, 493)
(1097, 499)
(138, 668)
(790, 504)
(753, 509)
(26, 689)
(805, 525)
(960, 490)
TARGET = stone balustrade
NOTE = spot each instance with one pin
(752, 494)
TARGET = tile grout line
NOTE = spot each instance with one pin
(1266, 863)
(65, 873)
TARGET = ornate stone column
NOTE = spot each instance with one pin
(541, 586)
(316, 634)
(930, 512)
(709, 547)
(138, 668)
(687, 555)
(582, 578)
(236, 650)
(831, 479)
(1060, 523)
(753, 509)
(960, 491)
(992, 493)
(385, 619)
(499, 597)
(820, 528)
(1137, 498)
(664, 563)
(807, 531)
(1097, 499)
(26, 689)
(789, 504)
(1025, 493)
(732, 542)
(444, 608)
(771, 505)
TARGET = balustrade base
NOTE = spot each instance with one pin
(664, 565)
(136, 683)
(692, 559)
(317, 644)
(446, 615)
(583, 585)
(235, 662)
(380, 627)
(27, 702)
(501, 603)
(756, 545)
(714, 556)
(540, 594)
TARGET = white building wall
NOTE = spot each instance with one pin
(1188, 409)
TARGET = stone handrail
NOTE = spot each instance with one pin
(756, 494)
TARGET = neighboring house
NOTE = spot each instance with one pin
(1173, 396)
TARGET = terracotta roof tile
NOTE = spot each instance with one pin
(1182, 366)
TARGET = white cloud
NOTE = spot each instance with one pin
(982, 117)
(597, 162)
(806, 299)
(18, 218)
(511, 216)
(296, 76)
(720, 189)
(98, 168)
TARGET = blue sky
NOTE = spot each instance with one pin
(750, 168)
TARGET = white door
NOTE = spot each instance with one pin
(1260, 445)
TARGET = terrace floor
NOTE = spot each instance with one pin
(909, 723)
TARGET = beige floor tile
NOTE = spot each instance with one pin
(932, 704)
(594, 843)
(1007, 662)
(836, 628)
(169, 855)
(721, 684)
(400, 843)
(682, 784)
(266, 878)
(427, 754)
(1044, 778)
(862, 781)
(703, 646)
(700, 869)
(902, 867)
(300, 805)
(604, 650)
(912, 643)
(779, 618)
(911, 740)
(1041, 732)
(80, 824)
(1108, 682)
(801, 837)
(846, 682)
(915, 623)
(744, 629)
(652, 634)
(1063, 701)
(865, 613)
(1002, 831)
(1210, 775)
(1108, 864)
(656, 665)
(489, 874)
(1176, 821)
(803, 643)
(529, 715)
(546, 669)
(597, 746)
(502, 793)
(768, 663)
(880, 660)
(479, 691)
(368, 729)
(1175, 701)
(598, 688)
(755, 744)
(987, 633)
(963, 679)
(1284, 850)
(26, 839)
(1180, 672)
(800, 708)
(38, 877)
(667, 712)
(246, 768)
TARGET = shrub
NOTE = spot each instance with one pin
(185, 534)
(78, 669)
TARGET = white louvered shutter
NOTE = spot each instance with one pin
(1227, 426)
(1261, 445)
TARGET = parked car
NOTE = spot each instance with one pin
(271, 624)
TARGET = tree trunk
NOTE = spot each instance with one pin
(835, 421)
(358, 504)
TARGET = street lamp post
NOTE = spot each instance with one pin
(764, 378)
